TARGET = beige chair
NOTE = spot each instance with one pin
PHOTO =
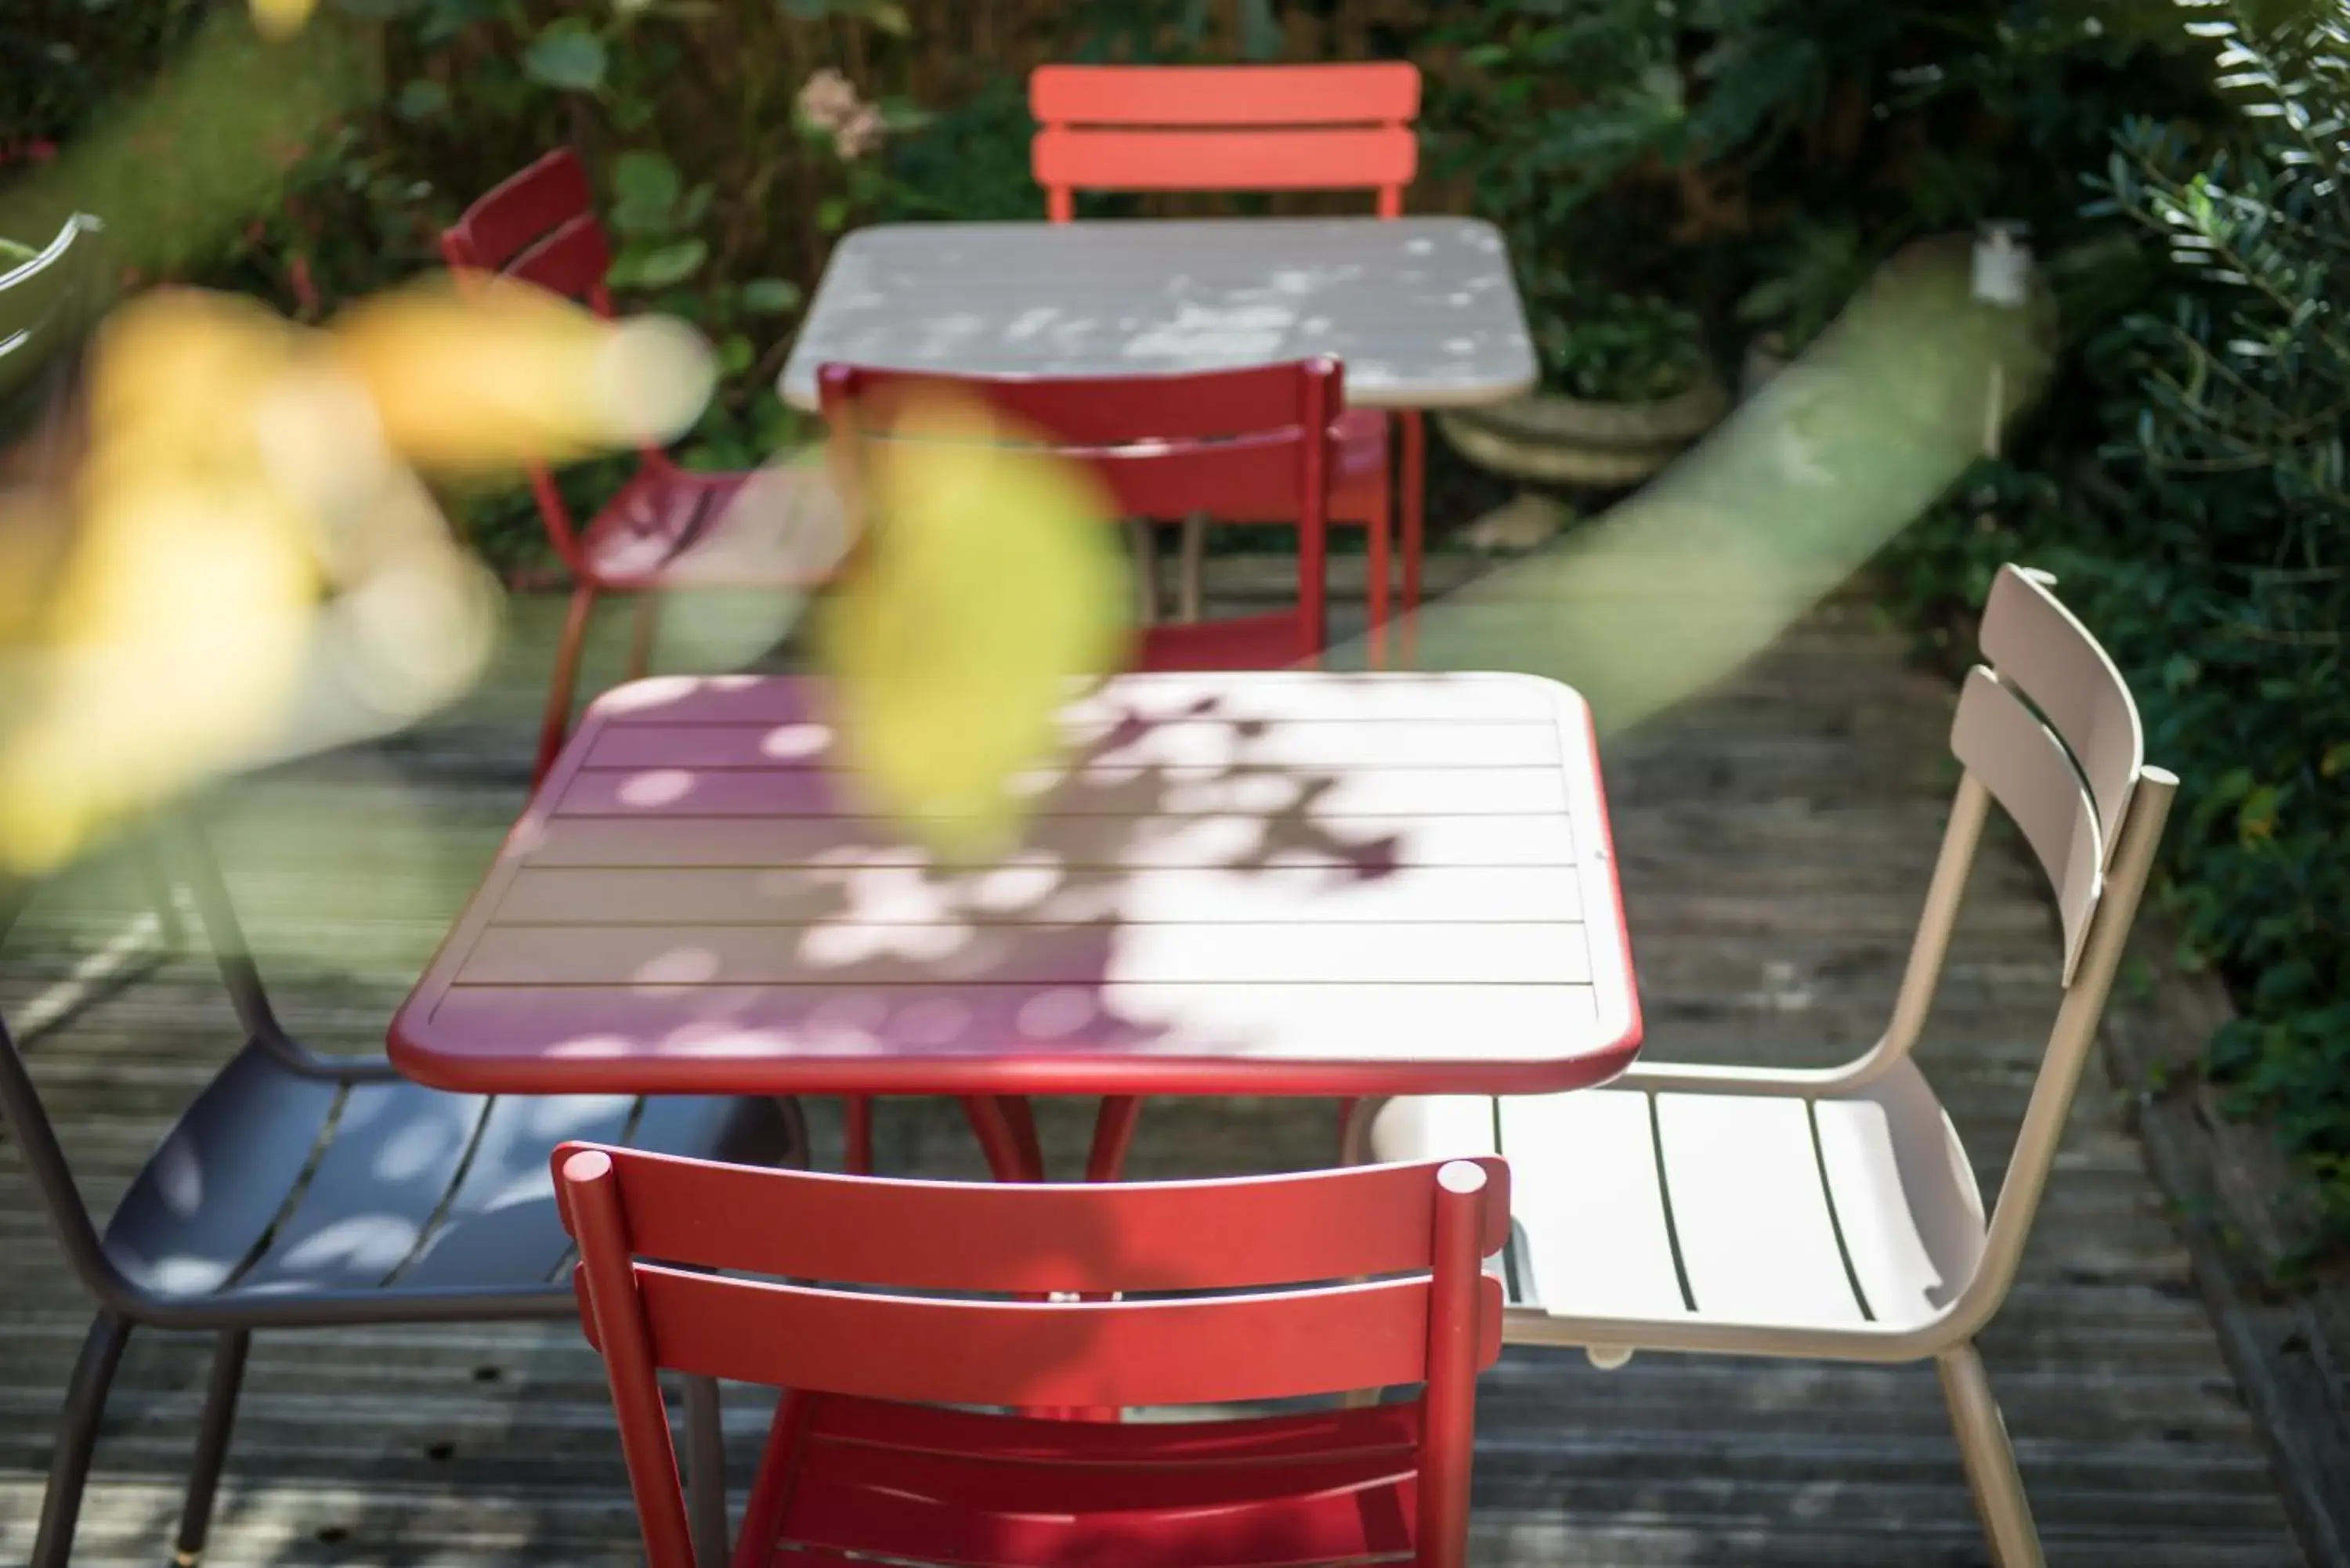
(1833, 1213)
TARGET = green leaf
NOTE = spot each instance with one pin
(735, 355)
(1260, 30)
(423, 99)
(646, 186)
(672, 263)
(695, 207)
(831, 214)
(770, 295)
(567, 56)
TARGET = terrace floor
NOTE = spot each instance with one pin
(1774, 838)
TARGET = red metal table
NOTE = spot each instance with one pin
(1284, 883)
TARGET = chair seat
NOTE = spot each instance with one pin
(921, 1484)
(409, 1190)
(676, 527)
(1277, 642)
(1693, 1212)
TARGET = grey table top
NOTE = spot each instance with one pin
(1421, 311)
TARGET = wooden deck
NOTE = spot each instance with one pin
(1774, 839)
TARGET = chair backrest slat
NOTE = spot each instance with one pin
(2028, 771)
(1023, 1239)
(1226, 128)
(2041, 650)
(1086, 1354)
(1376, 92)
(571, 260)
(1102, 411)
(1348, 158)
(540, 226)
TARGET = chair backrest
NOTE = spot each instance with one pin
(2046, 729)
(1255, 441)
(1224, 128)
(46, 305)
(540, 227)
(1337, 1280)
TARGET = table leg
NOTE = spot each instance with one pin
(1007, 1129)
(857, 1157)
(1113, 1136)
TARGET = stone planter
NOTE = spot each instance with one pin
(1549, 439)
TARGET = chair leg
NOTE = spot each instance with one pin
(211, 1443)
(93, 1374)
(1415, 501)
(1380, 567)
(1142, 546)
(1189, 592)
(559, 691)
(641, 640)
(1989, 1460)
(1113, 1136)
(705, 1472)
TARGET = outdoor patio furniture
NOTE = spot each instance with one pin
(668, 528)
(303, 1191)
(1254, 127)
(1243, 883)
(1218, 438)
(1422, 312)
(47, 302)
(860, 1456)
(1769, 1211)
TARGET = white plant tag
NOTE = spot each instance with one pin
(2002, 263)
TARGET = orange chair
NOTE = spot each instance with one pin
(1236, 1290)
(668, 526)
(1254, 127)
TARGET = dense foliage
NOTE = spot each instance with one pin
(2203, 531)
(1675, 176)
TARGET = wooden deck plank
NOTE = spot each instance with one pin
(1773, 839)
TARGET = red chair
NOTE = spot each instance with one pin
(668, 526)
(1218, 440)
(855, 1464)
(1219, 437)
(1254, 127)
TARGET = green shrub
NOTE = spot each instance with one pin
(2207, 538)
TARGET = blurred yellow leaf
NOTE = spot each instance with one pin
(989, 581)
(495, 375)
(281, 18)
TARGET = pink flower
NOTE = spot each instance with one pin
(858, 135)
(829, 100)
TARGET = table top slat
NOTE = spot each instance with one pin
(877, 955)
(681, 792)
(1033, 890)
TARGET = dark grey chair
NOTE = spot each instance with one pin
(303, 1191)
(47, 307)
